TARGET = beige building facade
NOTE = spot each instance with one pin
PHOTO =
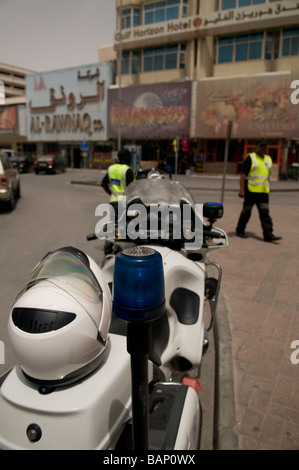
(242, 60)
(13, 109)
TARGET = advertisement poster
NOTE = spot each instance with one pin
(101, 160)
(257, 106)
(159, 111)
(9, 123)
(69, 104)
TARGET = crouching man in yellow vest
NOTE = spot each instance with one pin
(115, 182)
(255, 189)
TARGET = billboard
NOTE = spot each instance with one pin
(9, 121)
(69, 104)
(259, 107)
(159, 111)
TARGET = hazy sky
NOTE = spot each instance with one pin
(51, 34)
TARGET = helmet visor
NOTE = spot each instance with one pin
(70, 267)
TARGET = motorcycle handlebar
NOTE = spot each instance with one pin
(212, 234)
(206, 234)
(91, 236)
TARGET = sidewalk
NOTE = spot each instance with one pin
(258, 319)
(194, 181)
(260, 300)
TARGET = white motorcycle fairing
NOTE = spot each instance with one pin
(90, 415)
(178, 335)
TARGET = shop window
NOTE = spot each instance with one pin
(211, 151)
(273, 149)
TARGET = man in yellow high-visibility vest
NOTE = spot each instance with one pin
(255, 189)
(118, 177)
(115, 182)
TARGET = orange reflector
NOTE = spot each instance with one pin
(194, 383)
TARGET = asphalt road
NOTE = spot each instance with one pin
(51, 213)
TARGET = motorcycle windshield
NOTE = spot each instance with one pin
(159, 191)
(70, 268)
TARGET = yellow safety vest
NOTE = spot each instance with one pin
(258, 176)
(117, 177)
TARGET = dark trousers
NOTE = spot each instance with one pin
(261, 200)
(108, 247)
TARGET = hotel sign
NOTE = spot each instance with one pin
(167, 28)
(211, 23)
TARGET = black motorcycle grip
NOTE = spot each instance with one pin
(91, 236)
(211, 234)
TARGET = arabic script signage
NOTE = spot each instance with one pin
(159, 111)
(210, 23)
(259, 107)
(257, 12)
(68, 104)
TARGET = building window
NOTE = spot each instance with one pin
(239, 48)
(165, 11)
(130, 63)
(290, 42)
(272, 46)
(249, 46)
(164, 58)
(130, 17)
(229, 4)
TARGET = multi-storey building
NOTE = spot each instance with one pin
(12, 108)
(220, 64)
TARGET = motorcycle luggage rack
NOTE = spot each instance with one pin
(212, 290)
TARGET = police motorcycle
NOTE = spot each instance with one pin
(97, 348)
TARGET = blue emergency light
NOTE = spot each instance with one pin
(138, 285)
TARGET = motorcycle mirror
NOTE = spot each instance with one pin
(212, 211)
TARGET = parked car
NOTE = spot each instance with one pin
(9, 182)
(49, 164)
(9, 152)
(22, 162)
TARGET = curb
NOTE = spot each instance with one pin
(225, 437)
(97, 183)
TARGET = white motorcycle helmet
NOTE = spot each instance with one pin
(58, 326)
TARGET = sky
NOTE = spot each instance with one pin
(43, 35)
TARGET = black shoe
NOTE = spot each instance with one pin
(273, 238)
(240, 234)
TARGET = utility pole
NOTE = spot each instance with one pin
(119, 75)
(229, 130)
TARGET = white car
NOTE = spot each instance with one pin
(9, 182)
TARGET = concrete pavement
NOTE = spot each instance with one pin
(260, 300)
(257, 321)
